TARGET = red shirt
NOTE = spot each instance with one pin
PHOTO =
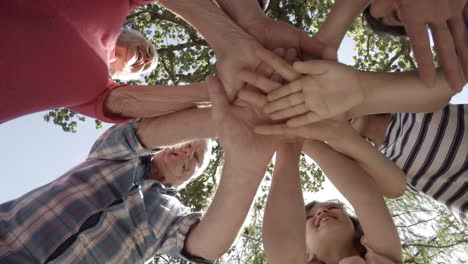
(55, 53)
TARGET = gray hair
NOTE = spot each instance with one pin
(143, 48)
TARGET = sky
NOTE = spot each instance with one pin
(35, 152)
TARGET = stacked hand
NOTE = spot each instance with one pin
(327, 90)
(235, 127)
(448, 29)
(277, 34)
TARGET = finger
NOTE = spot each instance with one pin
(290, 112)
(264, 68)
(290, 88)
(284, 102)
(217, 97)
(419, 39)
(314, 67)
(445, 48)
(278, 64)
(253, 98)
(460, 35)
(380, 8)
(289, 57)
(259, 81)
(305, 119)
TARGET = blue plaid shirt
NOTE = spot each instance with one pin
(104, 210)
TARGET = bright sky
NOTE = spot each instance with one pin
(35, 152)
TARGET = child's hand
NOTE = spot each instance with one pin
(328, 89)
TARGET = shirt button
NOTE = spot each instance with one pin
(82, 238)
(109, 214)
(129, 198)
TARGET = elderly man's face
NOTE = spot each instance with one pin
(177, 165)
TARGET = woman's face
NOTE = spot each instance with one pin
(129, 60)
(327, 222)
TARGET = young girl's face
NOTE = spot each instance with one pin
(327, 222)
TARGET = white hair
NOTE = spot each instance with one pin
(135, 40)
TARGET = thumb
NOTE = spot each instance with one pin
(217, 96)
(314, 67)
(380, 8)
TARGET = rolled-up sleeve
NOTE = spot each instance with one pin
(119, 142)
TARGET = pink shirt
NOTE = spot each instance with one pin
(55, 53)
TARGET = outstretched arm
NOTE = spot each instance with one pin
(329, 89)
(339, 135)
(362, 192)
(233, 46)
(273, 33)
(154, 100)
(338, 21)
(246, 158)
(283, 231)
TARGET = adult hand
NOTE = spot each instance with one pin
(449, 33)
(277, 34)
(235, 128)
(327, 90)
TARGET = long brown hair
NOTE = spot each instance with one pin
(358, 234)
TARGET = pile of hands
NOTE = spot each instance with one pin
(280, 84)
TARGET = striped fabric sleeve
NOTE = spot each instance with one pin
(119, 143)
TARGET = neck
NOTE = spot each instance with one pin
(377, 128)
(333, 254)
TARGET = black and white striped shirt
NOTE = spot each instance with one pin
(432, 150)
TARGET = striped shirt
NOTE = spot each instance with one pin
(104, 210)
(432, 150)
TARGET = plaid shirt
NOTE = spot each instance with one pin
(102, 211)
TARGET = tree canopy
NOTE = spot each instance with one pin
(429, 232)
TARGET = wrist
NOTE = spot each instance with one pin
(366, 94)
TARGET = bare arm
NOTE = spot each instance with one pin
(284, 219)
(340, 18)
(362, 193)
(233, 46)
(330, 89)
(246, 158)
(176, 127)
(392, 92)
(154, 100)
(388, 177)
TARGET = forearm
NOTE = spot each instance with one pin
(340, 18)
(284, 217)
(387, 175)
(349, 178)
(216, 27)
(243, 12)
(175, 128)
(391, 92)
(154, 100)
(214, 235)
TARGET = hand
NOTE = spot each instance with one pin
(448, 29)
(277, 34)
(235, 128)
(229, 62)
(334, 132)
(310, 98)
